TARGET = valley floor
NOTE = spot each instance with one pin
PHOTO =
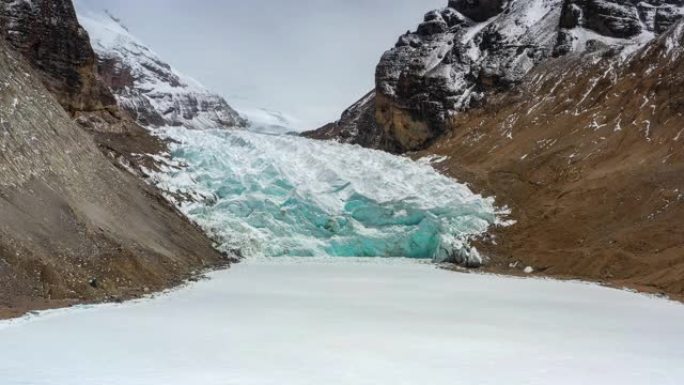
(354, 321)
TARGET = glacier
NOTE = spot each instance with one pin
(282, 195)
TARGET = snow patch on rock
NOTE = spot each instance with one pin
(151, 90)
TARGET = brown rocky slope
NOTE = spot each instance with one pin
(590, 157)
(74, 226)
(586, 148)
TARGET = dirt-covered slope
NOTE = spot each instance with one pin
(73, 227)
(589, 154)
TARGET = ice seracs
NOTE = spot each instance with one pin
(282, 195)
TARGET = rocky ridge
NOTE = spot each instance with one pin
(462, 54)
(148, 88)
(50, 37)
(589, 156)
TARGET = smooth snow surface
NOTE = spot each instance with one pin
(354, 322)
(282, 195)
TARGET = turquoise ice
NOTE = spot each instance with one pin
(282, 195)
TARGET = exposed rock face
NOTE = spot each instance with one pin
(357, 126)
(48, 34)
(50, 37)
(152, 92)
(472, 49)
(620, 19)
(69, 218)
(478, 10)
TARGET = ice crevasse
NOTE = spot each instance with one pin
(282, 195)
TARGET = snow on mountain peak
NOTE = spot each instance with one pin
(153, 92)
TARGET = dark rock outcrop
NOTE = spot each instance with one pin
(461, 55)
(357, 126)
(621, 19)
(478, 10)
(49, 36)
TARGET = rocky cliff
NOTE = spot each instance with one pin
(148, 88)
(48, 34)
(51, 39)
(461, 55)
(568, 112)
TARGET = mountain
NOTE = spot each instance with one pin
(149, 89)
(357, 125)
(569, 113)
(75, 226)
(50, 37)
(462, 54)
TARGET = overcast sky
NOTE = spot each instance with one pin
(306, 58)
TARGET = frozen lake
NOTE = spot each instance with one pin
(354, 321)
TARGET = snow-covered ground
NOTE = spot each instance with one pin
(354, 321)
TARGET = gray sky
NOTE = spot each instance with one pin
(306, 58)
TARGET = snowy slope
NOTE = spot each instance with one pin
(147, 87)
(459, 53)
(265, 120)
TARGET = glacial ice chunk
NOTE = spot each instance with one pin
(279, 195)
